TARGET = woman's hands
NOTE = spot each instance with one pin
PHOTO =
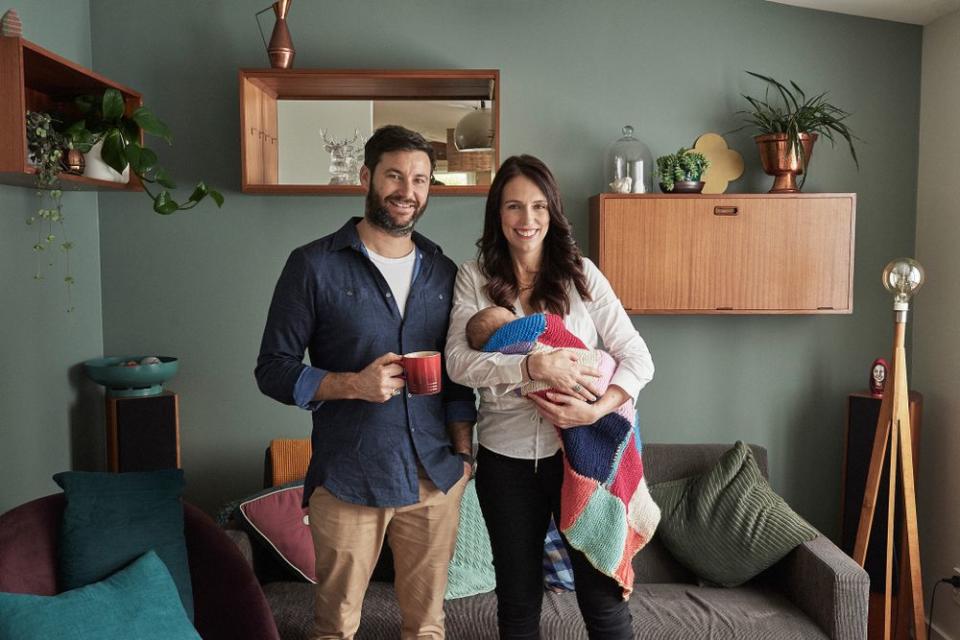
(561, 369)
(566, 411)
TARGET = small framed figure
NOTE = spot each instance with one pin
(878, 377)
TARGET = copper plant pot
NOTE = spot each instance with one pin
(783, 163)
(74, 161)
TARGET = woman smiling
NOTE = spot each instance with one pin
(529, 262)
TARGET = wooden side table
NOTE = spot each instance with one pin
(143, 434)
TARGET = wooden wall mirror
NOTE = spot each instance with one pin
(284, 114)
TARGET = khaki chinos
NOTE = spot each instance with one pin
(348, 538)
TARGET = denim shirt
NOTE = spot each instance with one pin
(332, 302)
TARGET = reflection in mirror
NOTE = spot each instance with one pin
(302, 130)
(306, 158)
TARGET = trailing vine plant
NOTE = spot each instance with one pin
(45, 146)
(105, 120)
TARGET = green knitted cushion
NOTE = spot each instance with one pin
(728, 525)
(471, 569)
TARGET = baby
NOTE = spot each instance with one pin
(485, 324)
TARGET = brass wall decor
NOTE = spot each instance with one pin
(726, 164)
(280, 49)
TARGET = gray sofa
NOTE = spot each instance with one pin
(816, 591)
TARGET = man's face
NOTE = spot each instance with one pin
(397, 192)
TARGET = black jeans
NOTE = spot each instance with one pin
(517, 503)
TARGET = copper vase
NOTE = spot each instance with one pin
(280, 49)
(74, 161)
(782, 162)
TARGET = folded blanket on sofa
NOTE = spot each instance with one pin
(606, 509)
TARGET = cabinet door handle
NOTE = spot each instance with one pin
(725, 211)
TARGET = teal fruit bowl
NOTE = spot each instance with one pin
(133, 381)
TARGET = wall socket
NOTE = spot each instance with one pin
(956, 591)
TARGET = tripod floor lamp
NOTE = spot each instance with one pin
(902, 277)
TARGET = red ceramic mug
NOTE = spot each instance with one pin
(422, 371)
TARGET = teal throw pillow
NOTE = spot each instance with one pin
(111, 519)
(728, 525)
(139, 601)
(471, 569)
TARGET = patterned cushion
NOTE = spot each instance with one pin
(728, 525)
(557, 570)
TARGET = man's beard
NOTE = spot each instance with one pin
(376, 214)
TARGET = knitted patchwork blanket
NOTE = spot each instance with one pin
(606, 510)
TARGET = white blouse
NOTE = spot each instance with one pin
(508, 424)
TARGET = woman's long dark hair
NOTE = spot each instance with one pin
(560, 261)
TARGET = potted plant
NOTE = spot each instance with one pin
(789, 124)
(682, 172)
(107, 128)
(53, 149)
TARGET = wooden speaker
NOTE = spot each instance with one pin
(143, 434)
(862, 412)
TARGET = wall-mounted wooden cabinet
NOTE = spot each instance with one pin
(34, 79)
(726, 254)
(283, 110)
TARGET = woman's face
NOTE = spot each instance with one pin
(524, 217)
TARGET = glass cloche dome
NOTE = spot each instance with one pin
(627, 157)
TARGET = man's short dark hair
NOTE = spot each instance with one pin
(393, 137)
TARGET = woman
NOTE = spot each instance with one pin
(528, 261)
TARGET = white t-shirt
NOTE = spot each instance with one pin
(398, 272)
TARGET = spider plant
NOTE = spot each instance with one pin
(796, 113)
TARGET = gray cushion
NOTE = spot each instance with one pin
(728, 525)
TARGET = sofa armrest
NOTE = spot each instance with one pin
(228, 601)
(242, 540)
(828, 586)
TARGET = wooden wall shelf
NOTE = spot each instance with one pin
(726, 254)
(260, 89)
(34, 79)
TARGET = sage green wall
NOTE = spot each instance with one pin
(198, 285)
(46, 424)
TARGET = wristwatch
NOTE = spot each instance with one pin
(467, 457)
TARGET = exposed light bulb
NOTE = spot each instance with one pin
(903, 277)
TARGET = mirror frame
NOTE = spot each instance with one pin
(261, 88)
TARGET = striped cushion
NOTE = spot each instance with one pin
(728, 525)
(289, 459)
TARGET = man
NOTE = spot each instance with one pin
(385, 463)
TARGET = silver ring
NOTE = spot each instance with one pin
(396, 392)
(577, 388)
